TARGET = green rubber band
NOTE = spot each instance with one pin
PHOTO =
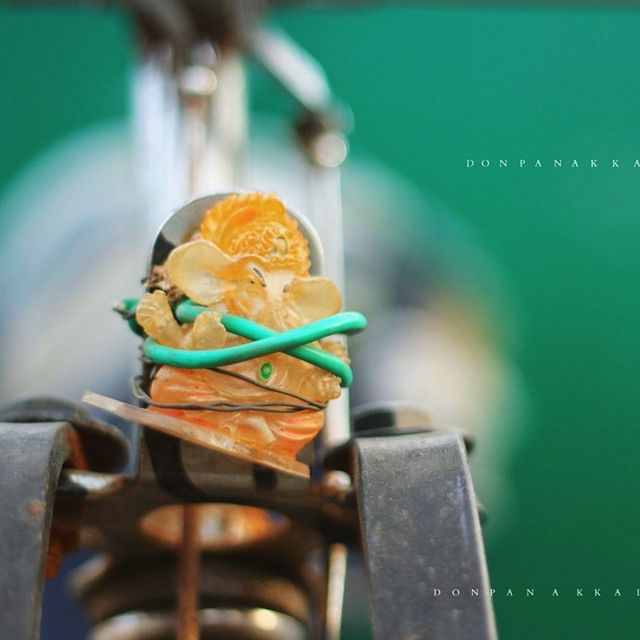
(267, 341)
(127, 309)
(291, 342)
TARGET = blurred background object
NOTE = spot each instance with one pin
(513, 316)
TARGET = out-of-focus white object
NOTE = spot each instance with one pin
(69, 247)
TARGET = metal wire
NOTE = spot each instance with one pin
(266, 407)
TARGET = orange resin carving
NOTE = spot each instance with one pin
(248, 258)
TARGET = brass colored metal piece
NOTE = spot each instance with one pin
(220, 527)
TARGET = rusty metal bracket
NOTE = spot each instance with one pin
(422, 539)
(31, 457)
(106, 449)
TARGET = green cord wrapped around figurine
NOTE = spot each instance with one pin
(246, 353)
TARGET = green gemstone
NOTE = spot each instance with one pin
(265, 371)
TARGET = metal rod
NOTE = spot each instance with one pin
(214, 120)
(325, 202)
(191, 127)
(188, 627)
(335, 590)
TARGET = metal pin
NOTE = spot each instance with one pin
(335, 590)
(188, 627)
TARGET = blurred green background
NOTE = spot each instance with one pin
(431, 87)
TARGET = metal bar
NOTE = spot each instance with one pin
(422, 539)
(31, 457)
(293, 68)
(337, 573)
(191, 127)
(188, 627)
(325, 201)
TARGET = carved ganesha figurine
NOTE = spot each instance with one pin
(248, 258)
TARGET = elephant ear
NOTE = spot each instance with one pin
(313, 298)
(198, 268)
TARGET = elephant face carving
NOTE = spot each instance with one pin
(249, 259)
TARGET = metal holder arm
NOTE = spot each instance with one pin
(422, 539)
(31, 457)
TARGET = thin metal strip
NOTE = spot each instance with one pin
(196, 435)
